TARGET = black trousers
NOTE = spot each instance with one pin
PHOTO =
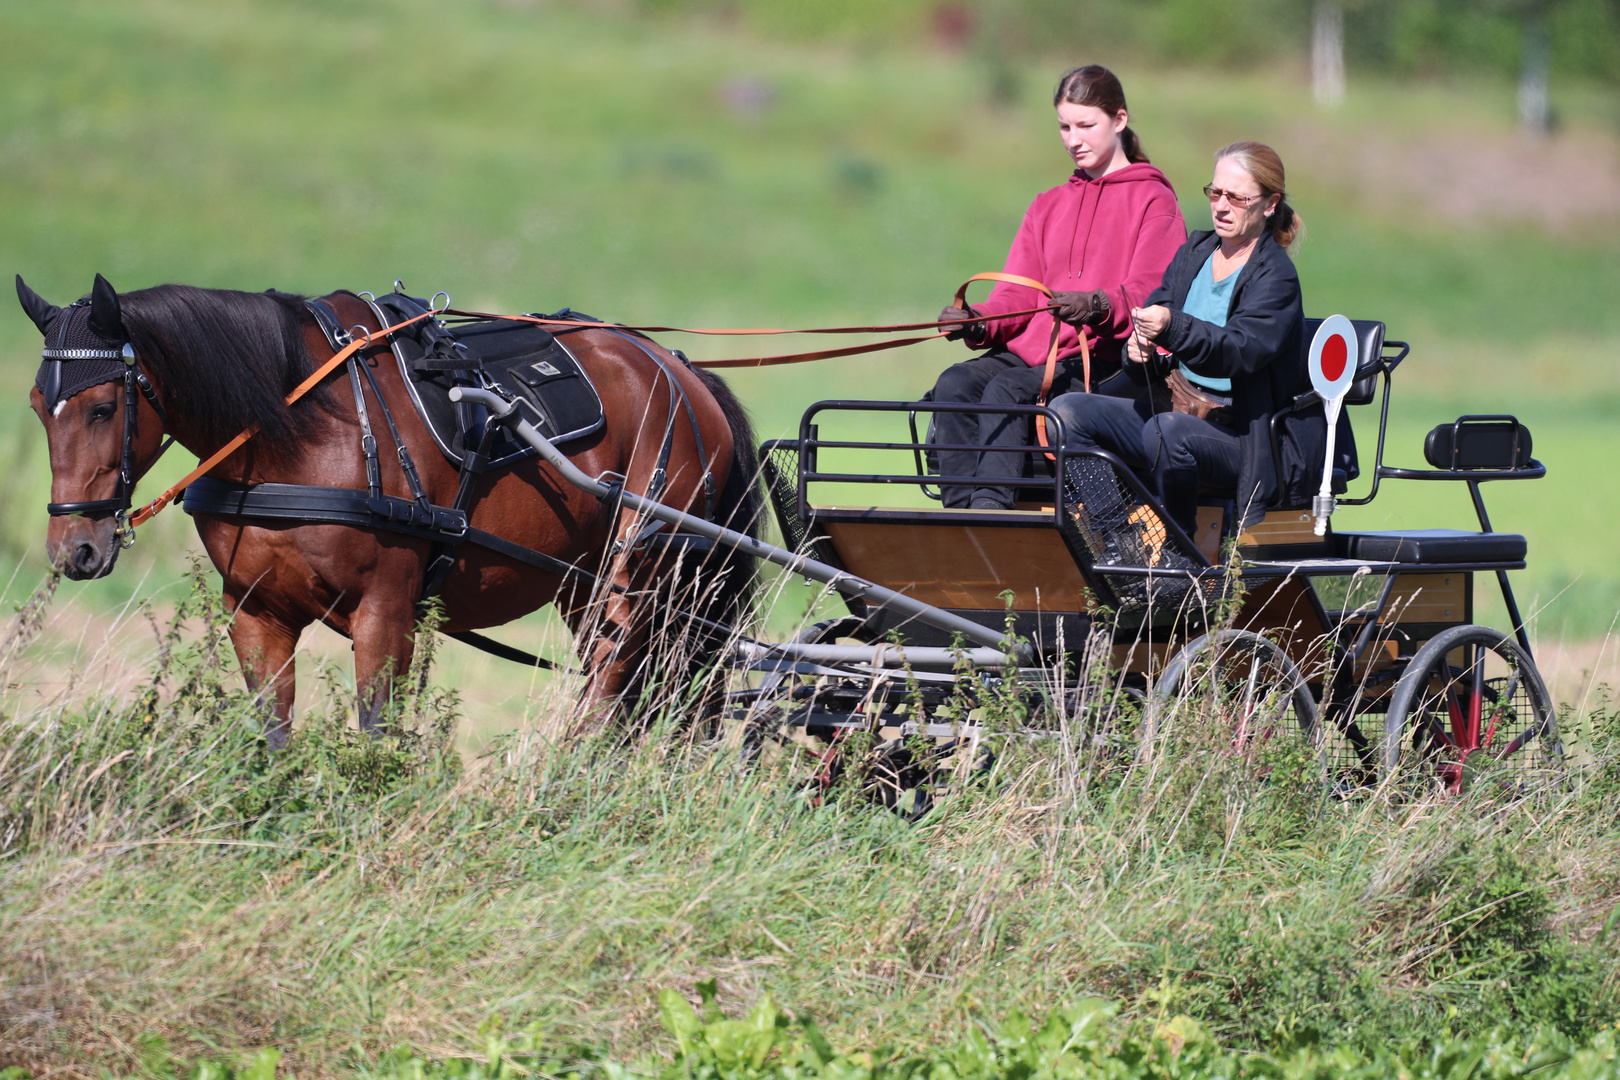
(1174, 453)
(997, 378)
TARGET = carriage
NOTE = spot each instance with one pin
(1084, 607)
(1087, 597)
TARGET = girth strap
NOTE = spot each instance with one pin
(308, 504)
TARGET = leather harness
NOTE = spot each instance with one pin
(446, 527)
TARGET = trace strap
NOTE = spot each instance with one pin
(153, 508)
(1051, 347)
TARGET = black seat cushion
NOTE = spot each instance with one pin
(1430, 546)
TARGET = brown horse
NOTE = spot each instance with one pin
(203, 364)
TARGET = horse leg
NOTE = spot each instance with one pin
(264, 645)
(383, 628)
(614, 637)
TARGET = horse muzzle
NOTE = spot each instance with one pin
(83, 548)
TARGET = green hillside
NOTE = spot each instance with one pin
(680, 170)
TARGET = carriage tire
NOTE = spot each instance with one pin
(1432, 682)
(759, 728)
(1286, 686)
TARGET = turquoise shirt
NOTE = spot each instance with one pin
(1210, 300)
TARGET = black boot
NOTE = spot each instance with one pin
(1178, 490)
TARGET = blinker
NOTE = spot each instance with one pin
(53, 383)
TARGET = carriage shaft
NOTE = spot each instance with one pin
(870, 593)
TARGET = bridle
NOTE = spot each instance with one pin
(134, 379)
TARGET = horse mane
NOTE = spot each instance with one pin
(227, 360)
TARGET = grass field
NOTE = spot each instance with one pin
(170, 896)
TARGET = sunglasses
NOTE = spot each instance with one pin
(1241, 202)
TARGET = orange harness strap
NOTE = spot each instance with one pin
(1051, 348)
(153, 508)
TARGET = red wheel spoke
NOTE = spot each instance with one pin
(1476, 698)
(1454, 710)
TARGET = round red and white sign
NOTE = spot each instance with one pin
(1332, 361)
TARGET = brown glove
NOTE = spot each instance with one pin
(1082, 308)
(972, 334)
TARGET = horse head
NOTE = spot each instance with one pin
(85, 395)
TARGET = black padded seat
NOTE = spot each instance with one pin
(1430, 546)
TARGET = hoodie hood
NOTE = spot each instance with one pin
(1116, 233)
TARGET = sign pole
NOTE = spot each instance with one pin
(1332, 371)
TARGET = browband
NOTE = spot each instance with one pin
(83, 354)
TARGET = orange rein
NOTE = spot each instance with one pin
(151, 509)
(795, 358)
(1051, 348)
(156, 506)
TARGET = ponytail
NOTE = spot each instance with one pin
(1286, 226)
(1133, 147)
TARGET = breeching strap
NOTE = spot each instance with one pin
(153, 508)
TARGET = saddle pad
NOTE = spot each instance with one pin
(522, 360)
(1431, 546)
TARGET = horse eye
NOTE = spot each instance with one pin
(103, 411)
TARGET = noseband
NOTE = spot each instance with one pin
(134, 379)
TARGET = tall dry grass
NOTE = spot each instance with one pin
(170, 890)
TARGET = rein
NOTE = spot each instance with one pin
(821, 354)
(130, 521)
(153, 508)
(1051, 347)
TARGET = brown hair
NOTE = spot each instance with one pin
(1096, 86)
(1261, 162)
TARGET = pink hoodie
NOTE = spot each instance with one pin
(1117, 232)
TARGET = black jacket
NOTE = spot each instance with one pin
(1262, 350)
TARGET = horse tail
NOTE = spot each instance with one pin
(739, 506)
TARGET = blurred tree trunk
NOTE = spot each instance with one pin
(1535, 113)
(1327, 52)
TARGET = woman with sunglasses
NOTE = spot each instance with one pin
(1100, 241)
(1224, 327)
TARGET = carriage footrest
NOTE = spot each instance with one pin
(1430, 546)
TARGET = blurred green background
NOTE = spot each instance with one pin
(769, 162)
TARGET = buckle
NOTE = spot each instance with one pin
(452, 523)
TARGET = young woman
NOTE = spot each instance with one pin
(1100, 242)
(1228, 318)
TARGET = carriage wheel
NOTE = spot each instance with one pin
(777, 690)
(1106, 722)
(1472, 704)
(1249, 689)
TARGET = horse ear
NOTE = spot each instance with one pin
(106, 318)
(41, 310)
